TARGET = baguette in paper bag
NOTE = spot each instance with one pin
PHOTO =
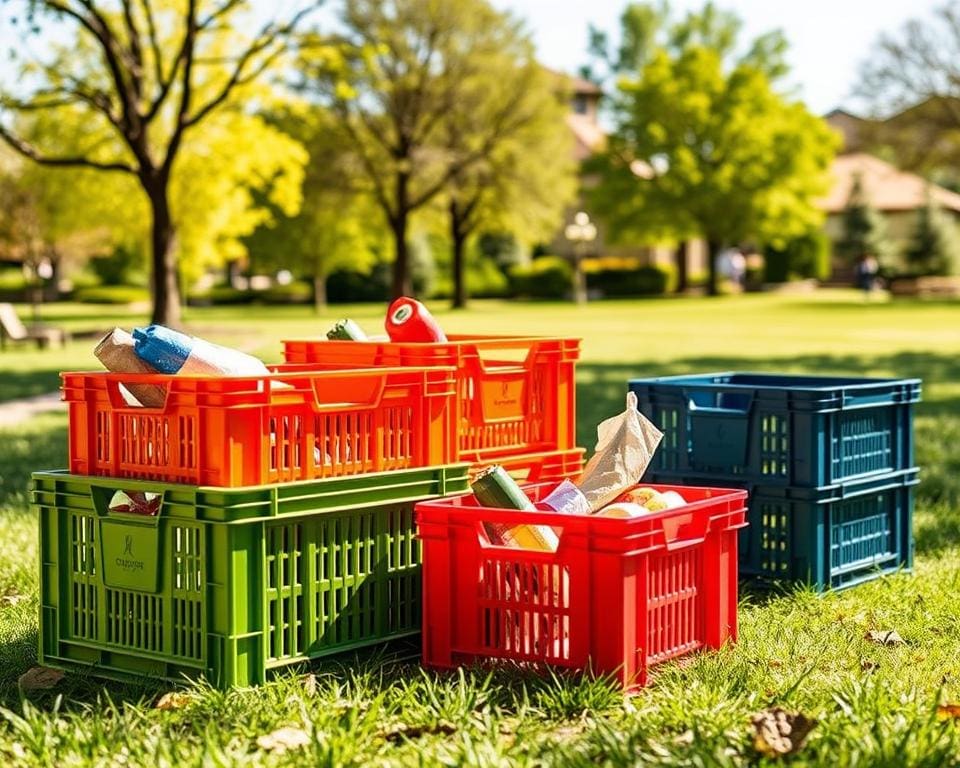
(625, 446)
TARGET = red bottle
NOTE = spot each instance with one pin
(408, 320)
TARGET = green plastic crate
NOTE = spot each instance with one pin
(224, 583)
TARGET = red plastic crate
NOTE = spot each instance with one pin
(515, 394)
(617, 597)
(293, 424)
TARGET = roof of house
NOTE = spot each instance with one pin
(886, 187)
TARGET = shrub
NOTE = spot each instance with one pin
(124, 266)
(298, 292)
(549, 277)
(347, 286)
(651, 280)
(802, 257)
(112, 294)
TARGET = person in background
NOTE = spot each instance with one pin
(866, 272)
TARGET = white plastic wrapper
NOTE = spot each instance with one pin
(625, 446)
(567, 499)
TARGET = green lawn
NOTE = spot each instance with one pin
(876, 705)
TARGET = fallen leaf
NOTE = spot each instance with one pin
(866, 665)
(685, 738)
(309, 684)
(40, 678)
(948, 711)
(12, 599)
(884, 637)
(774, 664)
(283, 739)
(777, 732)
(173, 700)
(402, 731)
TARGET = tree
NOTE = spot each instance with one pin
(145, 73)
(526, 175)
(704, 146)
(912, 81)
(333, 227)
(934, 250)
(864, 228)
(395, 73)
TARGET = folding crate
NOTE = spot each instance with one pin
(617, 596)
(515, 395)
(808, 431)
(228, 584)
(249, 430)
(831, 537)
(542, 467)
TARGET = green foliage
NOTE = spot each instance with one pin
(347, 286)
(935, 249)
(801, 257)
(549, 277)
(706, 147)
(864, 229)
(297, 292)
(650, 280)
(112, 294)
(125, 265)
(485, 280)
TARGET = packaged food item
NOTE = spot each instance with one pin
(116, 352)
(625, 446)
(623, 509)
(135, 503)
(346, 330)
(566, 499)
(409, 321)
(493, 487)
(665, 500)
(170, 351)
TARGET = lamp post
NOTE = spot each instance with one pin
(581, 232)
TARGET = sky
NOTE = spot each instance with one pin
(828, 38)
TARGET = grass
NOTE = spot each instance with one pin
(876, 705)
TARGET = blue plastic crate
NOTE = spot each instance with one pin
(807, 431)
(830, 537)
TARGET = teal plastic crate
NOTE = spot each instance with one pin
(228, 583)
(801, 431)
(831, 537)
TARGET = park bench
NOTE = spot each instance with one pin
(13, 329)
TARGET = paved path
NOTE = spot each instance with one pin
(16, 412)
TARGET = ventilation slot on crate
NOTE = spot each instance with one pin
(345, 567)
(668, 452)
(403, 571)
(861, 533)
(102, 440)
(135, 620)
(525, 610)
(285, 591)
(399, 425)
(674, 605)
(144, 440)
(84, 576)
(864, 444)
(774, 533)
(774, 445)
(188, 592)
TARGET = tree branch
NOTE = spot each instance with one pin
(154, 41)
(136, 52)
(77, 161)
(186, 88)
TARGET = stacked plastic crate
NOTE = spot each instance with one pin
(828, 462)
(516, 395)
(279, 519)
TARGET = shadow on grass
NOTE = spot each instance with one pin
(15, 385)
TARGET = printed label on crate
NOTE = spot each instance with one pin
(503, 399)
(129, 554)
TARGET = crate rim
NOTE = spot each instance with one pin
(855, 382)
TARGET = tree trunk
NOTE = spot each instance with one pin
(459, 240)
(402, 285)
(166, 287)
(579, 278)
(681, 259)
(319, 293)
(713, 250)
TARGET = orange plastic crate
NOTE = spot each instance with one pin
(617, 597)
(515, 394)
(293, 424)
(541, 467)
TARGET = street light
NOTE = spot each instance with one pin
(581, 232)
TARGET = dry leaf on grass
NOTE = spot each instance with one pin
(884, 637)
(309, 684)
(173, 700)
(284, 739)
(777, 732)
(6, 600)
(866, 665)
(402, 731)
(948, 711)
(40, 678)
